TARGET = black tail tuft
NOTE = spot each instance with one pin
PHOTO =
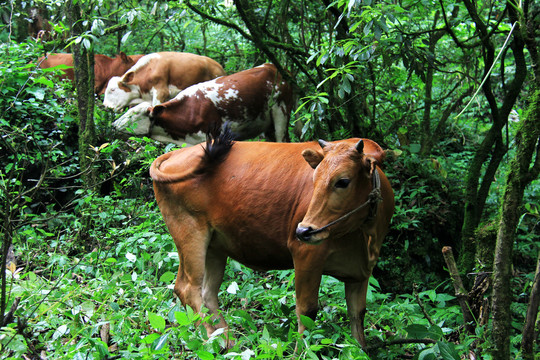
(219, 141)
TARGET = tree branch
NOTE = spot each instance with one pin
(532, 314)
(461, 294)
(218, 20)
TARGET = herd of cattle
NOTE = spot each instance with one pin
(320, 208)
(176, 97)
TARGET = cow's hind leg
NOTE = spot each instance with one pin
(192, 239)
(281, 123)
(213, 277)
(355, 294)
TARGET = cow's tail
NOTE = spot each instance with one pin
(219, 142)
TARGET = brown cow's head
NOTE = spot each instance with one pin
(341, 183)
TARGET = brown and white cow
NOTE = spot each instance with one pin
(320, 209)
(158, 77)
(251, 102)
(104, 67)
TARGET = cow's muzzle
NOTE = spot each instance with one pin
(304, 233)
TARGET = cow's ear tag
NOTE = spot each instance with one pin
(312, 157)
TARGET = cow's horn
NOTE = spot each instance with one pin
(360, 146)
(323, 143)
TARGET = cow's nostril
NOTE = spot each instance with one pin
(303, 233)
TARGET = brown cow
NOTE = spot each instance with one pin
(158, 77)
(276, 206)
(251, 102)
(104, 67)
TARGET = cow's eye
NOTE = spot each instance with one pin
(342, 183)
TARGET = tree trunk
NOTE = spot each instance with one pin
(519, 176)
(83, 66)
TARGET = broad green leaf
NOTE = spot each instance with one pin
(417, 331)
(43, 80)
(427, 354)
(307, 321)
(435, 332)
(182, 318)
(60, 331)
(448, 352)
(150, 338)
(131, 257)
(37, 92)
(125, 37)
(167, 277)
(233, 288)
(204, 355)
(88, 308)
(156, 321)
(415, 148)
(162, 341)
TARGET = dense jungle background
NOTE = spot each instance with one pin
(451, 89)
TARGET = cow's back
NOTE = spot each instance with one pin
(201, 68)
(53, 60)
(178, 69)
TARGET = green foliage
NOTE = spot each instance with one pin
(427, 214)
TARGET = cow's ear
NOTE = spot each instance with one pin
(128, 77)
(371, 164)
(312, 157)
(156, 110)
(124, 57)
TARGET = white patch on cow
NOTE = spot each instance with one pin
(117, 99)
(209, 89)
(161, 135)
(143, 62)
(153, 96)
(135, 121)
(231, 94)
(211, 92)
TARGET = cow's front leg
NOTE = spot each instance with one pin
(160, 95)
(307, 284)
(355, 294)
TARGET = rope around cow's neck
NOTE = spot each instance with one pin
(374, 198)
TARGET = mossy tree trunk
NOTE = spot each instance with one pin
(83, 63)
(520, 175)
